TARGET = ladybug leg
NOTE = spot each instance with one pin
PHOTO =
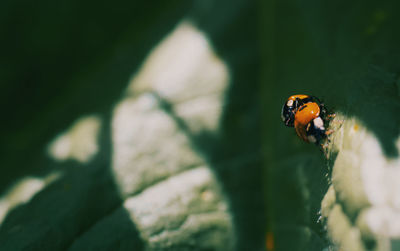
(328, 132)
(324, 148)
(324, 145)
(331, 116)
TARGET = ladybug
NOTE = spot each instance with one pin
(308, 115)
(291, 106)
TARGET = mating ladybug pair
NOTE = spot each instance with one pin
(308, 115)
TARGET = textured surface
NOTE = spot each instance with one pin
(148, 145)
(361, 206)
(191, 215)
(182, 82)
(154, 147)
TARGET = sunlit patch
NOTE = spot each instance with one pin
(380, 221)
(397, 143)
(22, 191)
(79, 142)
(148, 145)
(207, 195)
(150, 141)
(184, 67)
(174, 206)
(177, 93)
(201, 113)
(365, 182)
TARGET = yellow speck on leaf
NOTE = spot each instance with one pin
(270, 241)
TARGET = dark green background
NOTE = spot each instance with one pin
(64, 59)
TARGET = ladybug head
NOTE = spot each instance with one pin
(288, 112)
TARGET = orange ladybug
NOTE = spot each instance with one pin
(308, 116)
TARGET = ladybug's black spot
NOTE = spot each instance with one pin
(301, 108)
